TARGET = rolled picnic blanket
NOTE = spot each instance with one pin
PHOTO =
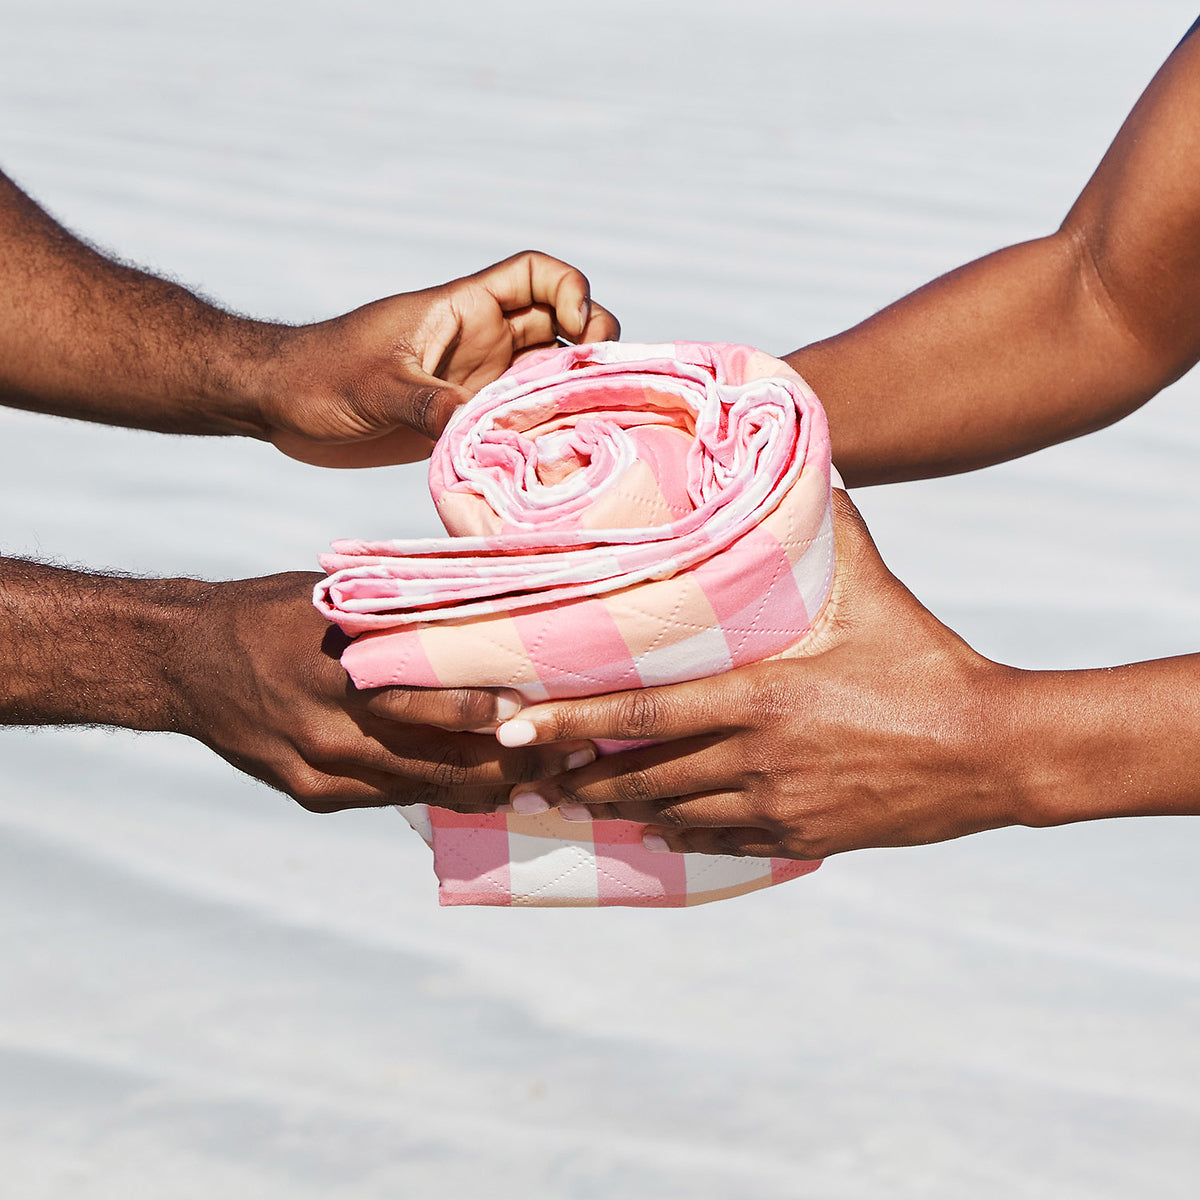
(622, 516)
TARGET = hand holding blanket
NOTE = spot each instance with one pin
(623, 516)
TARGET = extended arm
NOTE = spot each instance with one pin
(891, 731)
(1042, 341)
(84, 336)
(251, 669)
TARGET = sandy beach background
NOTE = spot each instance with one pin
(205, 991)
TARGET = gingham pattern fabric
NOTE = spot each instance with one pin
(622, 516)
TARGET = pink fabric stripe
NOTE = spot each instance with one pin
(614, 507)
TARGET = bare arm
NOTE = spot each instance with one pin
(1042, 341)
(84, 336)
(891, 731)
(250, 669)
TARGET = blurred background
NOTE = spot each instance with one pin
(206, 991)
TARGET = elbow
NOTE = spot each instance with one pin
(1133, 314)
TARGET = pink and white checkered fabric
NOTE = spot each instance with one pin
(622, 516)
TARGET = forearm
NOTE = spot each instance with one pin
(999, 358)
(83, 336)
(80, 649)
(1116, 742)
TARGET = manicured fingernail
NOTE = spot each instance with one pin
(516, 733)
(508, 704)
(655, 844)
(585, 307)
(579, 758)
(527, 804)
(573, 812)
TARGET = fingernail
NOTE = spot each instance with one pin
(527, 804)
(585, 307)
(655, 844)
(579, 758)
(516, 733)
(508, 704)
(573, 812)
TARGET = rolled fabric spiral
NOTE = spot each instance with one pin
(621, 516)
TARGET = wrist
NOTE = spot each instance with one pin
(1033, 749)
(1006, 785)
(1111, 742)
(240, 365)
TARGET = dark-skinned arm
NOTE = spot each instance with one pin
(1043, 341)
(889, 731)
(84, 336)
(249, 668)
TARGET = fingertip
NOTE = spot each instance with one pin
(580, 758)
(516, 733)
(508, 704)
(573, 307)
(655, 843)
(602, 326)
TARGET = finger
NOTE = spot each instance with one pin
(641, 782)
(475, 709)
(707, 810)
(863, 587)
(395, 446)
(601, 325)
(538, 325)
(454, 760)
(755, 843)
(336, 787)
(535, 278)
(533, 326)
(659, 714)
(424, 405)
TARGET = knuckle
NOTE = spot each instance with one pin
(314, 741)
(571, 794)
(672, 816)
(317, 793)
(634, 787)
(472, 707)
(725, 841)
(777, 811)
(640, 713)
(425, 409)
(451, 770)
(397, 703)
(805, 849)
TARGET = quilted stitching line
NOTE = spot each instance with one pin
(789, 526)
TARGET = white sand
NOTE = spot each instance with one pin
(207, 992)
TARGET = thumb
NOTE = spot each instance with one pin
(866, 596)
(428, 404)
(858, 557)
